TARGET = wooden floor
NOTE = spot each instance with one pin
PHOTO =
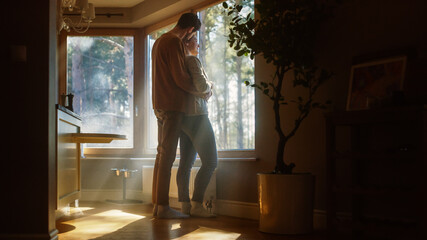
(132, 222)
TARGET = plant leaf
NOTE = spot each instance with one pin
(266, 91)
(241, 52)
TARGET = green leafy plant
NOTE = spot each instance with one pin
(284, 35)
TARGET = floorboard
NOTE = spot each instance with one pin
(109, 221)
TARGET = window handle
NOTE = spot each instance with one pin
(136, 111)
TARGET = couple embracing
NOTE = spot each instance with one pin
(180, 93)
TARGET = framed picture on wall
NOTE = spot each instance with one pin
(371, 83)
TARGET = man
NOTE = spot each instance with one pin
(172, 98)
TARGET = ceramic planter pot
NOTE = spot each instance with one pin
(286, 203)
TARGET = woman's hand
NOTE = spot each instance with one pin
(207, 95)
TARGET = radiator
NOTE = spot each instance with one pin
(147, 181)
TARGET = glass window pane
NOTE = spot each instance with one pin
(232, 106)
(100, 75)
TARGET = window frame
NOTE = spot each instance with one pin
(139, 87)
(140, 148)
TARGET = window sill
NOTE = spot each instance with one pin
(150, 160)
(223, 156)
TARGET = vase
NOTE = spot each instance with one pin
(286, 203)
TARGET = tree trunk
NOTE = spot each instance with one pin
(239, 103)
(225, 82)
(202, 39)
(128, 46)
(218, 117)
(281, 166)
(77, 78)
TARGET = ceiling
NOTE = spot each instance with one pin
(115, 3)
(137, 13)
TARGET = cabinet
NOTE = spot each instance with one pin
(376, 173)
(69, 152)
(68, 158)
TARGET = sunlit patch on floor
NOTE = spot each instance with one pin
(175, 226)
(99, 224)
(210, 233)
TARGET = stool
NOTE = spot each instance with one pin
(125, 174)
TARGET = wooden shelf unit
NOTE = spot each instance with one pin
(376, 173)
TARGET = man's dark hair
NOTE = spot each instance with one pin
(189, 20)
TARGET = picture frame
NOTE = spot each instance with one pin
(374, 82)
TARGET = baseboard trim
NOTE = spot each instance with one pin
(251, 211)
(53, 235)
(319, 219)
(237, 209)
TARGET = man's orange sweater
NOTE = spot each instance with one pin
(172, 85)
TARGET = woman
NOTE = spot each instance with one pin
(197, 136)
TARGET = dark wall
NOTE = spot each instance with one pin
(359, 28)
(373, 29)
(28, 178)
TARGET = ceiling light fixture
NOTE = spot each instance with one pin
(76, 15)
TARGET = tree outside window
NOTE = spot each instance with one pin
(100, 75)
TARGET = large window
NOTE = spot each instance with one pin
(100, 73)
(232, 106)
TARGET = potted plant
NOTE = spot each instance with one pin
(284, 34)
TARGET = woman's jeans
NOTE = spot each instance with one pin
(197, 136)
